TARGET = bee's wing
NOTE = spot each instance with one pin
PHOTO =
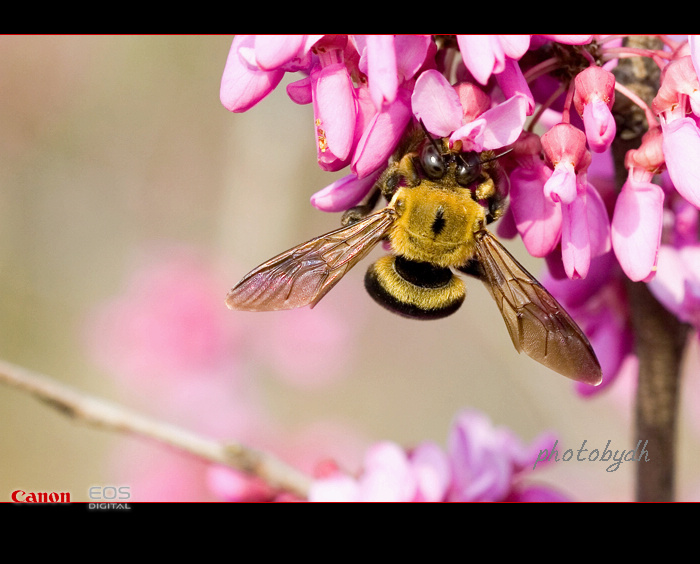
(537, 324)
(305, 273)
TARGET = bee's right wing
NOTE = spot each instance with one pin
(304, 274)
(537, 323)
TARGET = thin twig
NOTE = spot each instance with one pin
(113, 417)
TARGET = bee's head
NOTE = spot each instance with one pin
(467, 168)
(476, 171)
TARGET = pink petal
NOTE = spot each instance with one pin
(481, 467)
(432, 470)
(681, 146)
(387, 474)
(339, 488)
(561, 186)
(300, 91)
(570, 39)
(599, 124)
(636, 228)
(343, 194)
(564, 142)
(411, 51)
(436, 103)
(334, 108)
(514, 46)
(575, 240)
(505, 122)
(473, 99)
(234, 486)
(512, 82)
(677, 280)
(382, 134)
(598, 222)
(495, 128)
(537, 217)
(694, 44)
(273, 51)
(482, 55)
(381, 69)
(242, 84)
(612, 343)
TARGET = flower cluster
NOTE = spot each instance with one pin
(482, 463)
(547, 98)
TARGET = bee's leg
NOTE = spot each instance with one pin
(497, 207)
(401, 172)
(353, 215)
(497, 201)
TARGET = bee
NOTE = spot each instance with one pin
(439, 202)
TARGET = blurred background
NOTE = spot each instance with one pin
(131, 201)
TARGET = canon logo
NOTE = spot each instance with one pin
(40, 497)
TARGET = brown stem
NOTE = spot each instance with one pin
(659, 337)
(660, 340)
(113, 417)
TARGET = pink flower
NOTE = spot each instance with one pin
(681, 136)
(636, 226)
(167, 325)
(389, 474)
(638, 217)
(565, 148)
(677, 283)
(482, 463)
(278, 51)
(487, 461)
(334, 108)
(381, 135)
(681, 145)
(485, 55)
(389, 61)
(598, 303)
(343, 194)
(584, 225)
(447, 110)
(537, 218)
(245, 82)
(235, 486)
(593, 99)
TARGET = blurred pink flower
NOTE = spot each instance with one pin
(486, 461)
(167, 325)
(170, 337)
(156, 473)
(599, 305)
(482, 463)
(677, 283)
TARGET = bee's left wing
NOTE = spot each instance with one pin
(537, 323)
(304, 274)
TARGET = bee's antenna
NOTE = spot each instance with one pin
(504, 153)
(430, 137)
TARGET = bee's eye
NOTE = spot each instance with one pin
(432, 162)
(468, 168)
